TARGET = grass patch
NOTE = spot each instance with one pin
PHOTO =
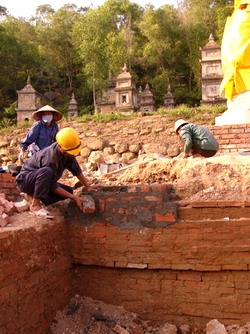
(200, 115)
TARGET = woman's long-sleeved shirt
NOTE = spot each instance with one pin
(41, 135)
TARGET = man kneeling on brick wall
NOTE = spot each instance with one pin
(39, 174)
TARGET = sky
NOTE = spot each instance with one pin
(27, 8)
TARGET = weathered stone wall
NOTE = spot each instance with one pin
(126, 145)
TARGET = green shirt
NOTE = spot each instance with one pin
(204, 137)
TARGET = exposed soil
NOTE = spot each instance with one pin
(224, 177)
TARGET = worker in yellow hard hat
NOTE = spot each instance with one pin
(39, 174)
(235, 51)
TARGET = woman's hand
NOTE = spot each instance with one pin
(21, 156)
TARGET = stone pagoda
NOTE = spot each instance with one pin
(212, 73)
(29, 100)
(146, 99)
(169, 100)
(72, 107)
(126, 100)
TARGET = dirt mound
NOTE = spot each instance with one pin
(84, 315)
(224, 177)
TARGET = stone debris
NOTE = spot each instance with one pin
(8, 208)
(118, 329)
(86, 315)
(168, 329)
(215, 327)
(22, 205)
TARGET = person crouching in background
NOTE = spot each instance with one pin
(196, 140)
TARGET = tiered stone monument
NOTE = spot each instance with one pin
(29, 100)
(169, 100)
(212, 73)
(146, 99)
(126, 99)
(72, 108)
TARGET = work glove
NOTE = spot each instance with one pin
(21, 156)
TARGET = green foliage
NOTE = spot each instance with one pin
(74, 49)
(8, 117)
(104, 118)
(10, 112)
(201, 114)
(6, 123)
(89, 110)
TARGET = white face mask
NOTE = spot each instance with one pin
(47, 118)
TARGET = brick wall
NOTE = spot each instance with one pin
(35, 275)
(7, 186)
(232, 138)
(174, 296)
(189, 270)
(130, 207)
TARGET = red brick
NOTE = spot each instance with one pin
(161, 187)
(169, 217)
(3, 221)
(204, 204)
(222, 204)
(8, 177)
(153, 198)
(144, 188)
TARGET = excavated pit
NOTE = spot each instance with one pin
(181, 262)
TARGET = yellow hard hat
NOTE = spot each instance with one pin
(69, 140)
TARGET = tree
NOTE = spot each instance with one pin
(104, 39)
(19, 55)
(59, 57)
(164, 49)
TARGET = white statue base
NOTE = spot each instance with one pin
(238, 111)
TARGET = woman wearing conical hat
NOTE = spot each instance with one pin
(42, 133)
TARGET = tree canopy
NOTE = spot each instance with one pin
(74, 49)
